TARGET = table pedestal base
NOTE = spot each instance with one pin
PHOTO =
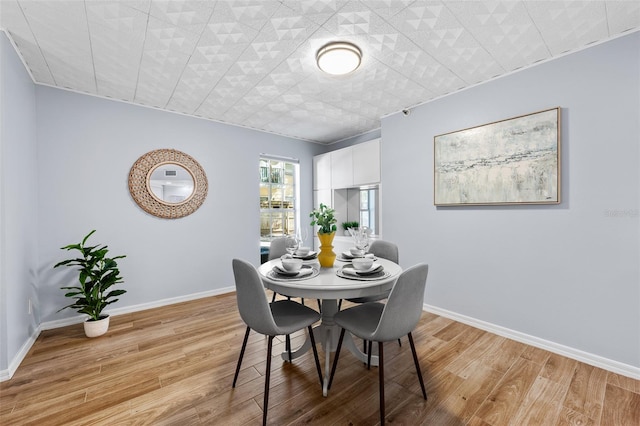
(328, 334)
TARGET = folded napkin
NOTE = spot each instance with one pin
(303, 272)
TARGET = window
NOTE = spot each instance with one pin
(279, 195)
(368, 208)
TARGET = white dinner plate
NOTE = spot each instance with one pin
(349, 273)
(305, 273)
(308, 256)
(280, 270)
(346, 257)
(376, 268)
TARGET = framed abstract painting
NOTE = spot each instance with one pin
(512, 161)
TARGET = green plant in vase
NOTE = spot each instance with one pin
(97, 273)
(347, 225)
(325, 218)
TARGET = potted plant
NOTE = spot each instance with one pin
(347, 225)
(97, 273)
(325, 218)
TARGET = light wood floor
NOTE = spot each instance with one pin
(175, 365)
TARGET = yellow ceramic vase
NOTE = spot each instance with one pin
(326, 257)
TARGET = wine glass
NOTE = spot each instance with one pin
(362, 242)
(303, 234)
(291, 244)
(360, 238)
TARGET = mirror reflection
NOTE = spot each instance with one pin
(171, 183)
(360, 205)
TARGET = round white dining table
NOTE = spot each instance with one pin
(328, 287)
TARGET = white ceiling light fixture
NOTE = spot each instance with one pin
(339, 58)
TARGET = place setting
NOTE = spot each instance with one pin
(354, 253)
(304, 254)
(295, 250)
(361, 244)
(362, 269)
(291, 268)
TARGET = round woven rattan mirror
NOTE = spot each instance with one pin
(146, 195)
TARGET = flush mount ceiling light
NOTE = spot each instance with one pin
(338, 58)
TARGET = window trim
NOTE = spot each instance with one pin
(296, 193)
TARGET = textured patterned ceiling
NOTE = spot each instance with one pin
(252, 63)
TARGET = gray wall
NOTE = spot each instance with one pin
(567, 274)
(18, 204)
(65, 164)
(86, 147)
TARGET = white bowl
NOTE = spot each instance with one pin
(362, 263)
(303, 251)
(292, 265)
(355, 252)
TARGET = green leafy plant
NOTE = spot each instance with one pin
(97, 274)
(347, 225)
(324, 218)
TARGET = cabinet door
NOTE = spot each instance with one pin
(366, 162)
(322, 196)
(322, 171)
(341, 168)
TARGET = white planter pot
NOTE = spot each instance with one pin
(96, 328)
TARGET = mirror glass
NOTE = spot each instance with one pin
(171, 183)
(168, 183)
(360, 205)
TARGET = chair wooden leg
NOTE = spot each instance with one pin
(335, 360)
(399, 342)
(302, 300)
(315, 354)
(339, 304)
(319, 306)
(266, 382)
(381, 379)
(417, 363)
(244, 345)
(369, 356)
(273, 299)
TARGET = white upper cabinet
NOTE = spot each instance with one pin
(366, 163)
(322, 196)
(348, 167)
(341, 168)
(322, 171)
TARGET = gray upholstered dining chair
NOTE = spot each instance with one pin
(279, 318)
(378, 322)
(385, 250)
(277, 248)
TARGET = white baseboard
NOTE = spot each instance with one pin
(586, 357)
(17, 360)
(49, 325)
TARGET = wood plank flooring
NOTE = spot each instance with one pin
(174, 366)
